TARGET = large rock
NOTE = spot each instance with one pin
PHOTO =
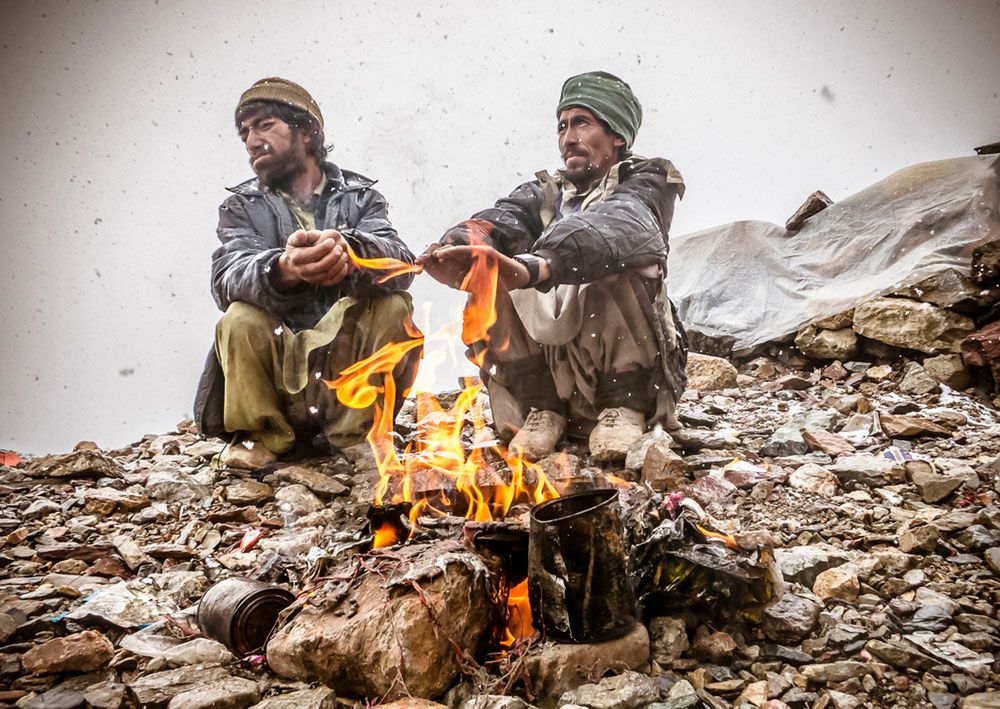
(707, 373)
(840, 583)
(663, 469)
(982, 700)
(175, 486)
(948, 369)
(827, 344)
(950, 289)
(624, 691)
(391, 641)
(815, 479)
(556, 668)
(668, 639)
(318, 483)
(158, 688)
(870, 470)
(248, 492)
(82, 652)
(790, 619)
(229, 693)
(316, 698)
(787, 439)
(802, 564)
(907, 323)
(917, 381)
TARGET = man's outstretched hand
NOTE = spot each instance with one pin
(316, 257)
(451, 264)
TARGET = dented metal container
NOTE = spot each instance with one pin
(241, 613)
(578, 570)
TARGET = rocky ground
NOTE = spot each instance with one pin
(875, 486)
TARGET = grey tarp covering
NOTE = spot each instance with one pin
(756, 282)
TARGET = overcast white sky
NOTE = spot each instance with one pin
(117, 141)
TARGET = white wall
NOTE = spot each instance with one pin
(117, 140)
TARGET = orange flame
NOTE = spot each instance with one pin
(385, 536)
(395, 267)
(728, 539)
(519, 622)
(437, 459)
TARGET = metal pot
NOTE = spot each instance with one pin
(578, 570)
(241, 613)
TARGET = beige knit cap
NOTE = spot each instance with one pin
(283, 91)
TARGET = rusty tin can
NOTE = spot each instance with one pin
(578, 581)
(241, 613)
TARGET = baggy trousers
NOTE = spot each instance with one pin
(578, 350)
(275, 384)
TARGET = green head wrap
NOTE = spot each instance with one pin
(607, 97)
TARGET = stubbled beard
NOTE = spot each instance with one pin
(281, 172)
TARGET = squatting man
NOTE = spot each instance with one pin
(586, 343)
(297, 311)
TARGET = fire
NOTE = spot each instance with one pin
(394, 267)
(728, 539)
(519, 623)
(437, 459)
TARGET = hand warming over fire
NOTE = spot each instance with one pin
(450, 265)
(316, 257)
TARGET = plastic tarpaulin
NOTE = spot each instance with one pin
(756, 282)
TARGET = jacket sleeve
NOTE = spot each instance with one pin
(515, 222)
(244, 265)
(371, 235)
(625, 231)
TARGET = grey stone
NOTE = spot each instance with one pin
(787, 439)
(900, 654)
(316, 698)
(668, 639)
(916, 381)
(833, 672)
(803, 564)
(158, 688)
(624, 691)
(991, 555)
(949, 369)
(229, 693)
(790, 619)
(982, 700)
(174, 486)
(867, 469)
(324, 486)
(636, 455)
(556, 668)
(297, 501)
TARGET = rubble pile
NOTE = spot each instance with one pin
(875, 485)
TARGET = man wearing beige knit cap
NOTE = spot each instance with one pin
(296, 311)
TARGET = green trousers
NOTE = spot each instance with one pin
(275, 389)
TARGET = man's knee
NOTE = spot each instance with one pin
(241, 319)
(392, 311)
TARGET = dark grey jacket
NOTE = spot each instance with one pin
(625, 231)
(254, 224)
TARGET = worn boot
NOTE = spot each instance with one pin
(247, 455)
(539, 435)
(615, 432)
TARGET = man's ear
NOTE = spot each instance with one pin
(619, 143)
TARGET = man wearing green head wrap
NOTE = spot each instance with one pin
(586, 341)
